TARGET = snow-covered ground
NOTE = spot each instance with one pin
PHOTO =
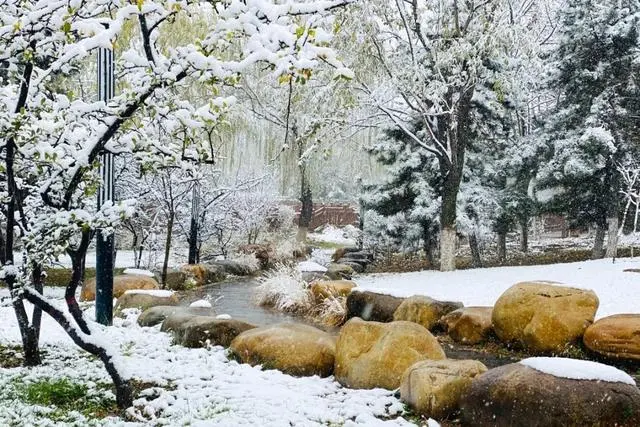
(124, 259)
(205, 387)
(618, 291)
(345, 236)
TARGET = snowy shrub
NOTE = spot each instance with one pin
(284, 289)
(249, 261)
(284, 249)
(331, 312)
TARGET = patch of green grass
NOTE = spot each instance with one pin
(62, 396)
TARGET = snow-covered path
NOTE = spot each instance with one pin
(618, 291)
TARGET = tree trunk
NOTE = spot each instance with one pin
(476, 257)
(134, 242)
(29, 333)
(502, 247)
(598, 243)
(193, 241)
(124, 392)
(448, 237)
(427, 243)
(306, 210)
(167, 249)
(612, 239)
(32, 347)
(524, 235)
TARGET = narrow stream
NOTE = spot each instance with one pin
(236, 298)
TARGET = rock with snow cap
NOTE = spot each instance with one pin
(555, 392)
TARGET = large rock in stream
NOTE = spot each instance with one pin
(434, 387)
(519, 395)
(469, 325)
(293, 348)
(616, 336)
(374, 354)
(424, 310)
(121, 284)
(144, 299)
(156, 315)
(372, 306)
(543, 316)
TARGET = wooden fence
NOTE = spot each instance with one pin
(338, 214)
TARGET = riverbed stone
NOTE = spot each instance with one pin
(145, 299)
(616, 336)
(203, 331)
(233, 267)
(517, 395)
(434, 387)
(121, 284)
(339, 271)
(543, 316)
(374, 354)
(372, 306)
(424, 310)
(469, 325)
(324, 289)
(156, 315)
(293, 348)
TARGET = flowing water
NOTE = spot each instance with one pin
(236, 298)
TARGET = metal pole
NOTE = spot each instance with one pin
(193, 232)
(105, 243)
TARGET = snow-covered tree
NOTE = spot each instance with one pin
(594, 127)
(51, 141)
(435, 55)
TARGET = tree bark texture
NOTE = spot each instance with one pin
(598, 243)
(502, 247)
(476, 257)
(167, 249)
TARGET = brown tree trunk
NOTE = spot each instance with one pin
(598, 243)
(167, 249)
(502, 247)
(306, 210)
(524, 235)
(476, 257)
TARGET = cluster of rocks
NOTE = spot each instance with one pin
(539, 317)
(387, 343)
(348, 261)
(186, 277)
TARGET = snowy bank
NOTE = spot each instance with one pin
(206, 388)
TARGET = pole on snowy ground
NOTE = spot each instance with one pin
(105, 242)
